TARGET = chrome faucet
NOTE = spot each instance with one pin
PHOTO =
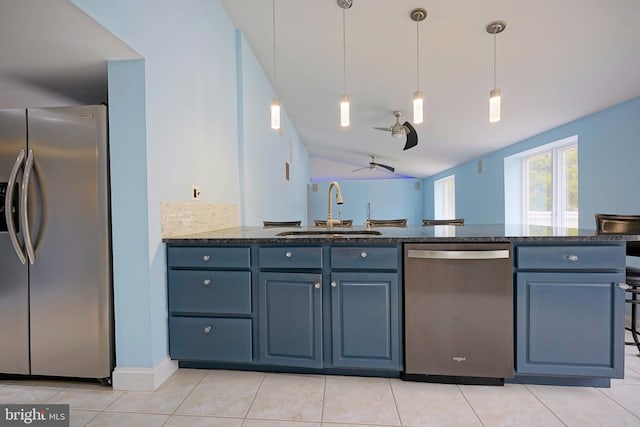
(330, 221)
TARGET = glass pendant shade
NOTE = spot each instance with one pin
(418, 100)
(275, 113)
(344, 111)
(494, 106)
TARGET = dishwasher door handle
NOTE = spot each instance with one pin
(428, 254)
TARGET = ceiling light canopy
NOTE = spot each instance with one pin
(418, 15)
(494, 28)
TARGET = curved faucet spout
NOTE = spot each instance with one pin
(330, 221)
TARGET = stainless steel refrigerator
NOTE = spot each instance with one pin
(55, 251)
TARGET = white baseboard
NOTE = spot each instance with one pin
(143, 379)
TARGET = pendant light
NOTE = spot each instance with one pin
(344, 100)
(275, 102)
(494, 28)
(418, 15)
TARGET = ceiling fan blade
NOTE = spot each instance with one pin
(387, 167)
(412, 136)
(388, 129)
(359, 169)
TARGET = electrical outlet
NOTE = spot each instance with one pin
(195, 192)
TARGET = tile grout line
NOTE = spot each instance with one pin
(324, 395)
(543, 404)
(186, 396)
(615, 401)
(464, 396)
(244, 418)
(395, 401)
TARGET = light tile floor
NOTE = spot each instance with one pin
(251, 399)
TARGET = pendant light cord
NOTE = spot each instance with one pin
(417, 55)
(344, 53)
(494, 60)
(275, 78)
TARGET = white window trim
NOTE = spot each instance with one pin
(438, 197)
(515, 181)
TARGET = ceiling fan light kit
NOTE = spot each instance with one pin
(418, 15)
(398, 130)
(495, 28)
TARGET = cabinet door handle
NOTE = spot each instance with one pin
(206, 258)
(624, 286)
(571, 257)
(334, 284)
(288, 254)
(207, 329)
(363, 254)
(206, 282)
(317, 285)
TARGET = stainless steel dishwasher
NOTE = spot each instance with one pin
(458, 312)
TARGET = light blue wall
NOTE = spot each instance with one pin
(193, 130)
(266, 194)
(389, 198)
(608, 153)
(128, 150)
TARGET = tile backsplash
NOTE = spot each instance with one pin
(180, 218)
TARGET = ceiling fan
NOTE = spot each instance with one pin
(374, 165)
(399, 129)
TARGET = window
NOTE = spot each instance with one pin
(444, 198)
(541, 185)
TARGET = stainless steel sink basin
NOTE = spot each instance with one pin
(336, 233)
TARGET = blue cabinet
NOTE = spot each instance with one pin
(365, 320)
(210, 304)
(290, 319)
(570, 311)
(323, 306)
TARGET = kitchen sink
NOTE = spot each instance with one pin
(332, 233)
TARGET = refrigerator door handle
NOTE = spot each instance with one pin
(8, 209)
(28, 168)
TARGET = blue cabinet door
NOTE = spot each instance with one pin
(570, 324)
(365, 320)
(290, 319)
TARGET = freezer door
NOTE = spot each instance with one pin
(14, 291)
(71, 325)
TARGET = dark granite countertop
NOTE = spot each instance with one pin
(438, 233)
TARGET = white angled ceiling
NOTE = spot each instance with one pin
(556, 61)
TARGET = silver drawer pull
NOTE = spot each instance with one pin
(317, 285)
(288, 254)
(571, 257)
(206, 258)
(363, 254)
(207, 329)
(206, 282)
(624, 286)
(334, 284)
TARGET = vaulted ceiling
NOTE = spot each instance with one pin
(556, 61)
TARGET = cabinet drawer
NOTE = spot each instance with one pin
(570, 257)
(202, 291)
(208, 257)
(290, 257)
(210, 339)
(364, 257)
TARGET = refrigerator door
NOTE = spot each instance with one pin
(70, 279)
(14, 290)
